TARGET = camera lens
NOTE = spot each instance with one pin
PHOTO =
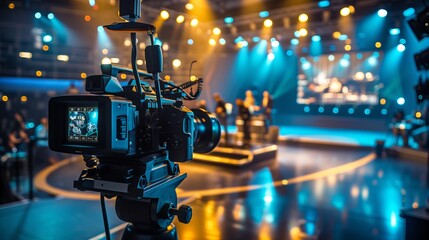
(207, 131)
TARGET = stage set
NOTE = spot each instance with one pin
(255, 119)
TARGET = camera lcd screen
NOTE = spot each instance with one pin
(82, 124)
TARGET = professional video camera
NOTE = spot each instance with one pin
(131, 135)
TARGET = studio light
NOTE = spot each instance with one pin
(382, 13)
(268, 23)
(180, 19)
(315, 38)
(303, 17)
(394, 31)
(228, 20)
(264, 14)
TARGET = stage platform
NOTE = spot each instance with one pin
(239, 155)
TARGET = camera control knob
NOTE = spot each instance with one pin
(184, 213)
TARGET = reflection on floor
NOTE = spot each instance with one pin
(321, 192)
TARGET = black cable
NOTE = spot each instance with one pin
(105, 220)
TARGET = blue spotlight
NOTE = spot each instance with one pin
(38, 15)
(100, 29)
(372, 61)
(157, 42)
(351, 111)
(297, 34)
(294, 41)
(222, 41)
(289, 53)
(324, 4)
(409, 12)
(264, 14)
(228, 20)
(271, 56)
(376, 54)
(315, 38)
(394, 31)
(335, 110)
(256, 39)
(275, 43)
(91, 3)
(343, 37)
(321, 109)
(346, 56)
(190, 41)
(51, 16)
(238, 39)
(47, 38)
(400, 47)
(384, 111)
(382, 13)
(400, 101)
(402, 41)
(359, 56)
(344, 62)
(306, 66)
(306, 109)
(367, 111)
(331, 58)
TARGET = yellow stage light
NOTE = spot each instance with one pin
(165, 47)
(268, 23)
(167, 77)
(140, 62)
(87, 18)
(106, 60)
(105, 51)
(216, 31)
(123, 76)
(352, 9)
(418, 114)
(176, 63)
(24, 99)
(212, 42)
(4, 98)
(303, 32)
(38, 73)
(193, 78)
(83, 75)
(63, 58)
(180, 19)
(347, 47)
(11, 5)
(194, 22)
(382, 101)
(45, 48)
(164, 14)
(336, 35)
(189, 6)
(303, 17)
(345, 11)
(378, 44)
(25, 55)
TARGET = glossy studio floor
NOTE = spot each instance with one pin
(308, 191)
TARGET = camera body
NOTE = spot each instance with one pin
(108, 122)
